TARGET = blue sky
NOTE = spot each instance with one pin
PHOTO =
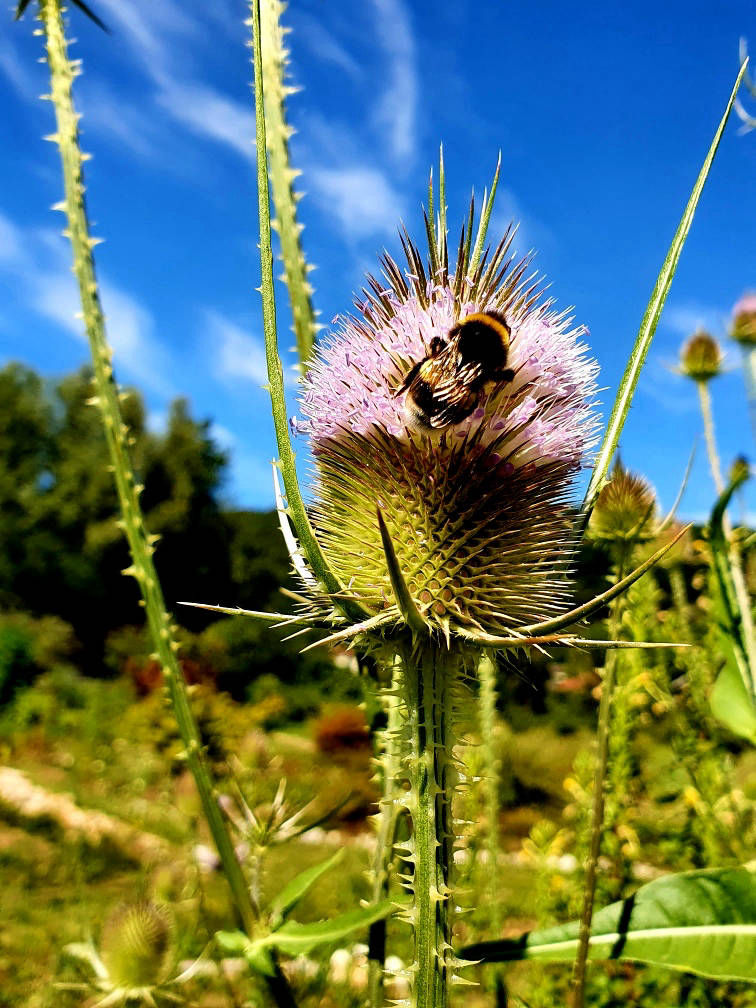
(603, 114)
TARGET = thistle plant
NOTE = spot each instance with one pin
(425, 548)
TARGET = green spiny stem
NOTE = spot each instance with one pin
(487, 713)
(430, 678)
(107, 398)
(734, 557)
(296, 508)
(492, 775)
(387, 823)
(597, 811)
(278, 133)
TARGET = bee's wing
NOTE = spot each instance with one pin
(409, 378)
(456, 394)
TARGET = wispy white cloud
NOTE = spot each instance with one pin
(531, 233)
(130, 124)
(208, 113)
(396, 111)
(237, 355)
(324, 46)
(683, 319)
(360, 198)
(37, 264)
(149, 29)
(17, 72)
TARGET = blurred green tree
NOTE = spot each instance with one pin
(61, 550)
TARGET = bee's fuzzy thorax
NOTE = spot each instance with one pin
(479, 512)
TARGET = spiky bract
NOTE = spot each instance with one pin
(478, 512)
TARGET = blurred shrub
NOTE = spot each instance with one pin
(61, 701)
(221, 722)
(30, 645)
(17, 666)
(342, 728)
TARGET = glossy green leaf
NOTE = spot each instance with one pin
(293, 892)
(293, 938)
(702, 921)
(730, 702)
(650, 321)
(236, 943)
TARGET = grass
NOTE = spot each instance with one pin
(113, 754)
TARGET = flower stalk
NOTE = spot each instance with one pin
(141, 544)
(282, 176)
(430, 682)
(608, 681)
(390, 761)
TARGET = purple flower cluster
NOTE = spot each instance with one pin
(544, 415)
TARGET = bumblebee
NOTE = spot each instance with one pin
(447, 386)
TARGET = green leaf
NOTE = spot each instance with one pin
(649, 323)
(236, 943)
(295, 939)
(701, 921)
(293, 892)
(404, 600)
(730, 702)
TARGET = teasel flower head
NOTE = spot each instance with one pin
(136, 959)
(478, 510)
(744, 320)
(625, 510)
(701, 357)
(137, 945)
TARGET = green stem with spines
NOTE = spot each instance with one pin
(282, 175)
(491, 771)
(386, 832)
(430, 678)
(492, 776)
(599, 801)
(141, 544)
(295, 504)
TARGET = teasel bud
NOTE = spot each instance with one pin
(137, 945)
(478, 509)
(625, 509)
(701, 357)
(740, 470)
(744, 320)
